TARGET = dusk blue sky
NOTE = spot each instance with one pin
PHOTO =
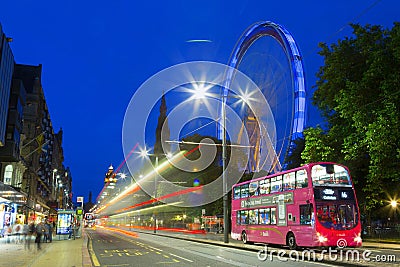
(95, 54)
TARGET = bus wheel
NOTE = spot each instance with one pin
(291, 241)
(244, 237)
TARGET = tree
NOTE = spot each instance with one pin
(295, 160)
(316, 146)
(358, 93)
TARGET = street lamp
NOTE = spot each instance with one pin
(224, 180)
(200, 92)
(144, 153)
(394, 204)
(59, 185)
(184, 217)
(54, 182)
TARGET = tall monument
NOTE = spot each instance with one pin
(162, 131)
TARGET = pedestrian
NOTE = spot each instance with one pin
(49, 231)
(46, 232)
(17, 231)
(40, 229)
(7, 232)
(76, 230)
(30, 232)
(70, 229)
(25, 231)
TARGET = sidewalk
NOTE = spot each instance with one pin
(59, 253)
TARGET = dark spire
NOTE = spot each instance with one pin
(162, 130)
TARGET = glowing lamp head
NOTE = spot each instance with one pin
(199, 90)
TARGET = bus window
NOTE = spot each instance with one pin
(253, 189)
(253, 216)
(338, 217)
(264, 187)
(273, 215)
(289, 181)
(301, 179)
(236, 192)
(342, 178)
(238, 218)
(243, 217)
(330, 174)
(276, 184)
(305, 214)
(244, 190)
(264, 216)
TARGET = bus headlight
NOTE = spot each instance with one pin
(358, 238)
(321, 238)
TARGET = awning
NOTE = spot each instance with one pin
(11, 195)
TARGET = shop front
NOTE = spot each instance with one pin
(39, 213)
(12, 204)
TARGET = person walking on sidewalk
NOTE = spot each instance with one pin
(49, 231)
(71, 229)
(40, 229)
(31, 232)
(46, 232)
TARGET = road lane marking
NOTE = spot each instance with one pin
(95, 261)
(155, 248)
(182, 258)
(150, 248)
(115, 265)
(218, 258)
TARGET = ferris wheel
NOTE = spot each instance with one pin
(268, 54)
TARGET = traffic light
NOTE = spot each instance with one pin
(79, 211)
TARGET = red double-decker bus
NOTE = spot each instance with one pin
(311, 206)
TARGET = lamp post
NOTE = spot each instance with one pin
(393, 204)
(200, 92)
(155, 196)
(144, 154)
(54, 182)
(59, 185)
(224, 181)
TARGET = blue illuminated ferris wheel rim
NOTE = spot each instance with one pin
(287, 42)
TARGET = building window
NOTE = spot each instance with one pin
(8, 174)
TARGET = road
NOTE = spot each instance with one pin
(110, 248)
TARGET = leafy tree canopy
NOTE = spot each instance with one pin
(358, 93)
